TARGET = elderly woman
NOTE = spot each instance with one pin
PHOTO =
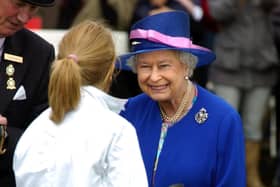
(188, 136)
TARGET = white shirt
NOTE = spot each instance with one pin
(2, 40)
(92, 147)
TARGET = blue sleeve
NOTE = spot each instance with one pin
(126, 112)
(123, 112)
(231, 170)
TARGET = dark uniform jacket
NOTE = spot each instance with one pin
(24, 76)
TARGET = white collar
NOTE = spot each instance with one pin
(113, 103)
(2, 40)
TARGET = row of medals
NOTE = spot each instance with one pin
(11, 83)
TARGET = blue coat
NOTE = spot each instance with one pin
(209, 154)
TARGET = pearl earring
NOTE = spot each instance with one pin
(186, 77)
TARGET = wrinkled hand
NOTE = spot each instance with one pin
(3, 133)
(3, 120)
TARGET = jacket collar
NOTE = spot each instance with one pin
(112, 103)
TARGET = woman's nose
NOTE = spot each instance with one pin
(155, 75)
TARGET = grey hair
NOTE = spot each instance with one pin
(189, 59)
(184, 57)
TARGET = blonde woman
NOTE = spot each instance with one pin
(78, 141)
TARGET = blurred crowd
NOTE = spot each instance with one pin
(244, 34)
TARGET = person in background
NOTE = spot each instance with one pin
(24, 75)
(115, 13)
(246, 67)
(188, 136)
(144, 8)
(275, 19)
(67, 12)
(79, 141)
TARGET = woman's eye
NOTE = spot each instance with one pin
(144, 66)
(164, 65)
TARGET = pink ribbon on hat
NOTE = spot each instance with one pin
(158, 37)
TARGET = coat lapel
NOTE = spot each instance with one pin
(12, 59)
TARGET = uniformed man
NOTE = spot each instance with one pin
(24, 74)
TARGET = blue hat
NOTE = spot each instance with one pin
(164, 31)
(43, 3)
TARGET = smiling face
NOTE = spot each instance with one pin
(14, 14)
(161, 75)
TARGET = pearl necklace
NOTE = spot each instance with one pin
(180, 110)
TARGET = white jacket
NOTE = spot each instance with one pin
(92, 147)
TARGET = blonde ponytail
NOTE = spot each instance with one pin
(64, 88)
(86, 57)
